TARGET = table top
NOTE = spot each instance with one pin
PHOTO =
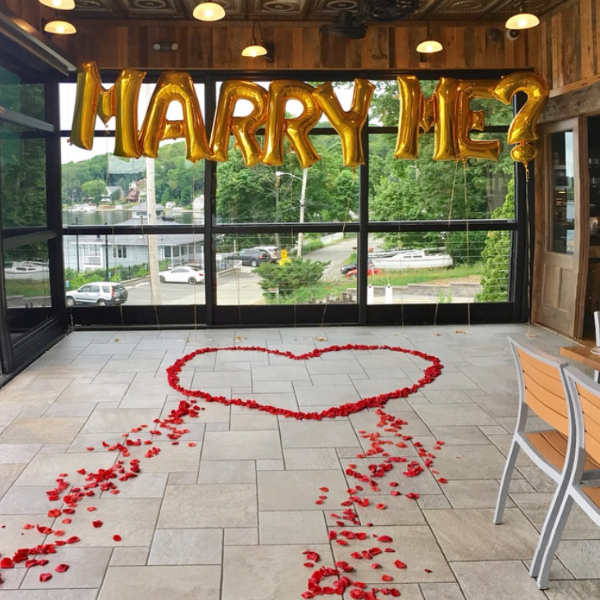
(582, 354)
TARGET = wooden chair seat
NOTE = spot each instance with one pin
(552, 445)
(593, 493)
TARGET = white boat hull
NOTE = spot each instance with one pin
(413, 261)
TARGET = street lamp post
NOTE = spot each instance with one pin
(303, 179)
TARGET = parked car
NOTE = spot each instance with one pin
(273, 251)
(191, 274)
(250, 256)
(371, 270)
(98, 293)
(353, 267)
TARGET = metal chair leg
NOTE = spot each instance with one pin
(549, 521)
(505, 482)
(555, 535)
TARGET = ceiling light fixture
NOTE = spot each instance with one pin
(59, 27)
(59, 4)
(428, 46)
(208, 11)
(523, 20)
(255, 49)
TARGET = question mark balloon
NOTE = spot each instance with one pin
(522, 130)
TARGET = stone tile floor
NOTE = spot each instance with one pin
(228, 516)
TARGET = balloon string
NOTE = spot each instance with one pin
(465, 167)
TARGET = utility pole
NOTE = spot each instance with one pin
(277, 188)
(152, 242)
(302, 205)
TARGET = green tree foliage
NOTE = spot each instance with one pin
(426, 189)
(496, 255)
(177, 179)
(290, 277)
(94, 190)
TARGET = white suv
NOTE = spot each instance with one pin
(98, 293)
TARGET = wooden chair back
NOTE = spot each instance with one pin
(543, 388)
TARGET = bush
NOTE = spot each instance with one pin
(310, 245)
(290, 277)
(496, 254)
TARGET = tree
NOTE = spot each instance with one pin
(292, 276)
(425, 189)
(94, 190)
(496, 254)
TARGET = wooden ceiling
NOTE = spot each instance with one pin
(302, 10)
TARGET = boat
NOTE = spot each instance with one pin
(410, 259)
(29, 269)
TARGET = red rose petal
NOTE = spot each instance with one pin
(387, 578)
(54, 512)
(7, 563)
(45, 577)
(117, 538)
(399, 564)
(412, 495)
(61, 568)
(97, 524)
(443, 480)
(91, 508)
(375, 566)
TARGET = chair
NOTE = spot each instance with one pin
(585, 399)
(542, 391)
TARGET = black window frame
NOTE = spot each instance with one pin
(516, 309)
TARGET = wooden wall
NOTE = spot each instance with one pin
(118, 45)
(569, 46)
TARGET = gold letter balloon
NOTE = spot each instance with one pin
(349, 123)
(448, 110)
(522, 130)
(243, 128)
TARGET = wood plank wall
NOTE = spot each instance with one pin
(569, 46)
(300, 46)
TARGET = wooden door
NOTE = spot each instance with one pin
(561, 225)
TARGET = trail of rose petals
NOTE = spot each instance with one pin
(360, 590)
(105, 480)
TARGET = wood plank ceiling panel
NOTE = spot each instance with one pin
(304, 10)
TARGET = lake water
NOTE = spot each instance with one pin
(114, 217)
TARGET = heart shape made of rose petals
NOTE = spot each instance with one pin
(429, 374)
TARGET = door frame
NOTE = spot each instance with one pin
(543, 225)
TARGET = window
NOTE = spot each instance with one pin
(119, 252)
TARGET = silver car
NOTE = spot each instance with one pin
(98, 293)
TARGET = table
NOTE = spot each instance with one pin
(582, 354)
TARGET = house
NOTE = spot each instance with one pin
(90, 252)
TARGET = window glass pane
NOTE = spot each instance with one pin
(439, 267)
(68, 91)
(562, 193)
(123, 260)
(255, 269)
(22, 178)
(27, 282)
(108, 190)
(426, 189)
(385, 105)
(264, 194)
(21, 95)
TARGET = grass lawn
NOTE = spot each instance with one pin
(325, 289)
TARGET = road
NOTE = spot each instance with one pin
(239, 286)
